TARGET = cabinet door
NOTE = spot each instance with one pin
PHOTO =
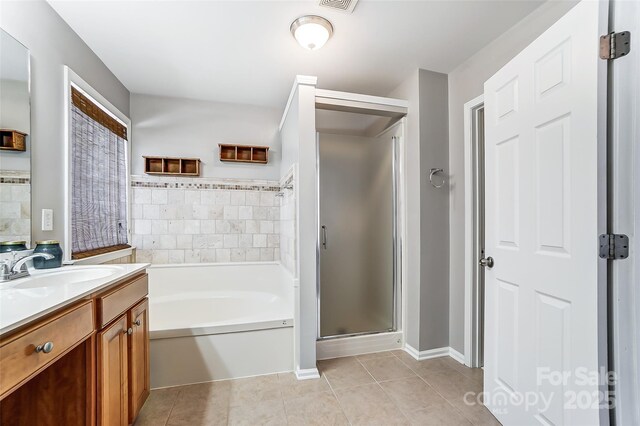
(138, 358)
(112, 374)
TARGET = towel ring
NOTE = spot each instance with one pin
(434, 172)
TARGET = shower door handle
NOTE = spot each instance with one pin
(324, 237)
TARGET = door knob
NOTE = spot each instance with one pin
(487, 263)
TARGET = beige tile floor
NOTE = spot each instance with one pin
(385, 388)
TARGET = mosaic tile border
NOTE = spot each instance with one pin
(190, 185)
(15, 180)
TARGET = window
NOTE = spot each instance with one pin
(99, 179)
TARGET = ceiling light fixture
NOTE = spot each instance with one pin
(311, 31)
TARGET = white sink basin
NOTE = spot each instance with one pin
(67, 276)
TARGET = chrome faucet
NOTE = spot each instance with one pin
(13, 269)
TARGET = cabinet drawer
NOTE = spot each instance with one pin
(19, 358)
(116, 302)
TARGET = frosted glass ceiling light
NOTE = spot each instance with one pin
(311, 31)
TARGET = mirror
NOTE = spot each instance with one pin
(15, 146)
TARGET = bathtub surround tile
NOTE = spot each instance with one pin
(192, 256)
(252, 226)
(222, 198)
(230, 212)
(252, 255)
(245, 240)
(167, 242)
(151, 211)
(201, 211)
(160, 256)
(176, 256)
(266, 227)
(142, 226)
(223, 255)
(238, 198)
(192, 197)
(245, 212)
(238, 255)
(266, 254)
(136, 211)
(252, 198)
(159, 226)
(142, 196)
(159, 196)
(191, 226)
(273, 240)
(169, 212)
(208, 255)
(175, 196)
(231, 241)
(208, 220)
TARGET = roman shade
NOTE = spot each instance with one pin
(98, 179)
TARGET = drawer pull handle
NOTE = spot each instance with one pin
(138, 322)
(45, 348)
(128, 331)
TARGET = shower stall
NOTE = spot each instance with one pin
(358, 238)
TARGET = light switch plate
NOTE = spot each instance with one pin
(47, 219)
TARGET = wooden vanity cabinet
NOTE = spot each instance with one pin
(123, 353)
(112, 374)
(139, 380)
(85, 364)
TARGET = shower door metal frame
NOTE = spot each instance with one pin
(396, 234)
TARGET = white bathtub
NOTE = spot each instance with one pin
(219, 321)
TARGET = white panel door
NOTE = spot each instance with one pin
(545, 328)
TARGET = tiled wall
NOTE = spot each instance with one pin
(15, 206)
(186, 220)
(288, 222)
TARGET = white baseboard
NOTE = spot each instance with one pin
(434, 353)
(428, 354)
(307, 373)
(358, 345)
(456, 355)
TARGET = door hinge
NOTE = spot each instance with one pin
(615, 45)
(614, 246)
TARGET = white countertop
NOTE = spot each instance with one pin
(27, 299)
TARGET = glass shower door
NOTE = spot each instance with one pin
(356, 234)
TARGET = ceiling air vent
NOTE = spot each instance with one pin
(341, 5)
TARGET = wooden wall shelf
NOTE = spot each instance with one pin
(171, 166)
(244, 153)
(13, 140)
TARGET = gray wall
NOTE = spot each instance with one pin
(53, 44)
(426, 248)
(466, 83)
(434, 212)
(164, 126)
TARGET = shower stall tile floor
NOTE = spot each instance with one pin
(385, 388)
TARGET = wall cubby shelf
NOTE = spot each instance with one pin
(244, 153)
(13, 140)
(171, 166)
